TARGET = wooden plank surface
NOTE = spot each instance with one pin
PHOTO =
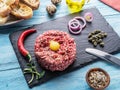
(11, 77)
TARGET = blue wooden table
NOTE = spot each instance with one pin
(11, 76)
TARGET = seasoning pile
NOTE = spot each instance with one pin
(97, 78)
(96, 37)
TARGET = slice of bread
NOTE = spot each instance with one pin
(9, 2)
(3, 20)
(16, 2)
(4, 9)
(21, 11)
(34, 4)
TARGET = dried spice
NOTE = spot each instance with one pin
(97, 78)
(96, 38)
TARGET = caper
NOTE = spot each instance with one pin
(96, 37)
(102, 44)
(95, 44)
(90, 39)
(92, 33)
(89, 35)
(100, 40)
(93, 40)
(97, 31)
(105, 34)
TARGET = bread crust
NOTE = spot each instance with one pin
(4, 9)
(3, 20)
(34, 4)
(21, 11)
(9, 2)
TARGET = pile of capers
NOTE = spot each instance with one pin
(96, 37)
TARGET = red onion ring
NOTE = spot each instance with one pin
(75, 32)
(74, 25)
(81, 19)
(88, 14)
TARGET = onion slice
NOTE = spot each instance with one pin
(88, 17)
(74, 25)
(75, 32)
(81, 19)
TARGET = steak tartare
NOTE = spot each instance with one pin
(55, 60)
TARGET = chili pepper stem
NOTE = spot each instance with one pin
(29, 57)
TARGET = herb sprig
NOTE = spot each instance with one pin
(31, 69)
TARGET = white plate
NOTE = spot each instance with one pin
(12, 20)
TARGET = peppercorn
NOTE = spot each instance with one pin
(97, 78)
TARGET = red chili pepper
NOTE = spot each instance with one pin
(20, 43)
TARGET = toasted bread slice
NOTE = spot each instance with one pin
(16, 2)
(9, 2)
(3, 20)
(4, 9)
(21, 11)
(34, 4)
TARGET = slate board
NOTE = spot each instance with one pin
(112, 42)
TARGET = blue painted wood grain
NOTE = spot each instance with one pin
(11, 77)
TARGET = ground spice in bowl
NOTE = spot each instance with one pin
(97, 78)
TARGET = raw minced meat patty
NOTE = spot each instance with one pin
(55, 60)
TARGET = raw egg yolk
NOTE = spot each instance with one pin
(54, 45)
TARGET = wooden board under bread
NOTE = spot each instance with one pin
(112, 42)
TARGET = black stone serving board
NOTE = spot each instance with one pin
(112, 42)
